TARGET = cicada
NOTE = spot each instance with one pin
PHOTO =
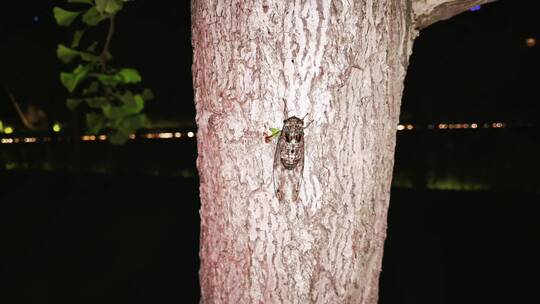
(289, 160)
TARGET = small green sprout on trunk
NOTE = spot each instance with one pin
(111, 106)
(274, 132)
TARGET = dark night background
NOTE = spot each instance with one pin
(94, 223)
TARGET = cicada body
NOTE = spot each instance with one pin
(289, 160)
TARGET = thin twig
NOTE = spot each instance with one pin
(25, 121)
(105, 51)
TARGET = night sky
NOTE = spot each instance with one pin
(475, 66)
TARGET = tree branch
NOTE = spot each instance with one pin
(25, 121)
(427, 12)
(107, 46)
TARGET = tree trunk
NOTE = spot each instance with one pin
(341, 63)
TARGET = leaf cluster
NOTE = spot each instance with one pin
(111, 106)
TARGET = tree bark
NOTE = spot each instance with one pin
(343, 64)
(428, 12)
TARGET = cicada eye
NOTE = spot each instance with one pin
(298, 137)
(287, 137)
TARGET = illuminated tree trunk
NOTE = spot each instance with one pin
(343, 64)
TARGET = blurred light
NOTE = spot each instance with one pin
(8, 130)
(443, 126)
(36, 18)
(530, 42)
(30, 140)
(89, 138)
(102, 137)
(177, 134)
(1, 126)
(410, 127)
(486, 125)
(57, 127)
(132, 136)
(399, 127)
(7, 140)
(150, 136)
(16, 140)
(474, 126)
(475, 8)
(165, 135)
(190, 134)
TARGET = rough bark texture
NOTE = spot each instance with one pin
(428, 12)
(343, 63)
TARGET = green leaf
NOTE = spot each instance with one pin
(136, 106)
(66, 54)
(114, 6)
(96, 102)
(109, 7)
(130, 76)
(147, 95)
(73, 103)
(92, 89)
(115, 113)
(127, 98)
(100, 5)
(71, 80)
(92, 47)
(77, 36)
(92, 17)
(89, 57)
(108, 80)
(126, 127)
(134, 122)
(132, 105)
(95, 122)
(275, 132)
(63, 17)
(81, 1)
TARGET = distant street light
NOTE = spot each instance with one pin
(57, 127)
(530, 42)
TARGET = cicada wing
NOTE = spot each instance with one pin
(287, 182)
(298, 175)
(277, 171)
